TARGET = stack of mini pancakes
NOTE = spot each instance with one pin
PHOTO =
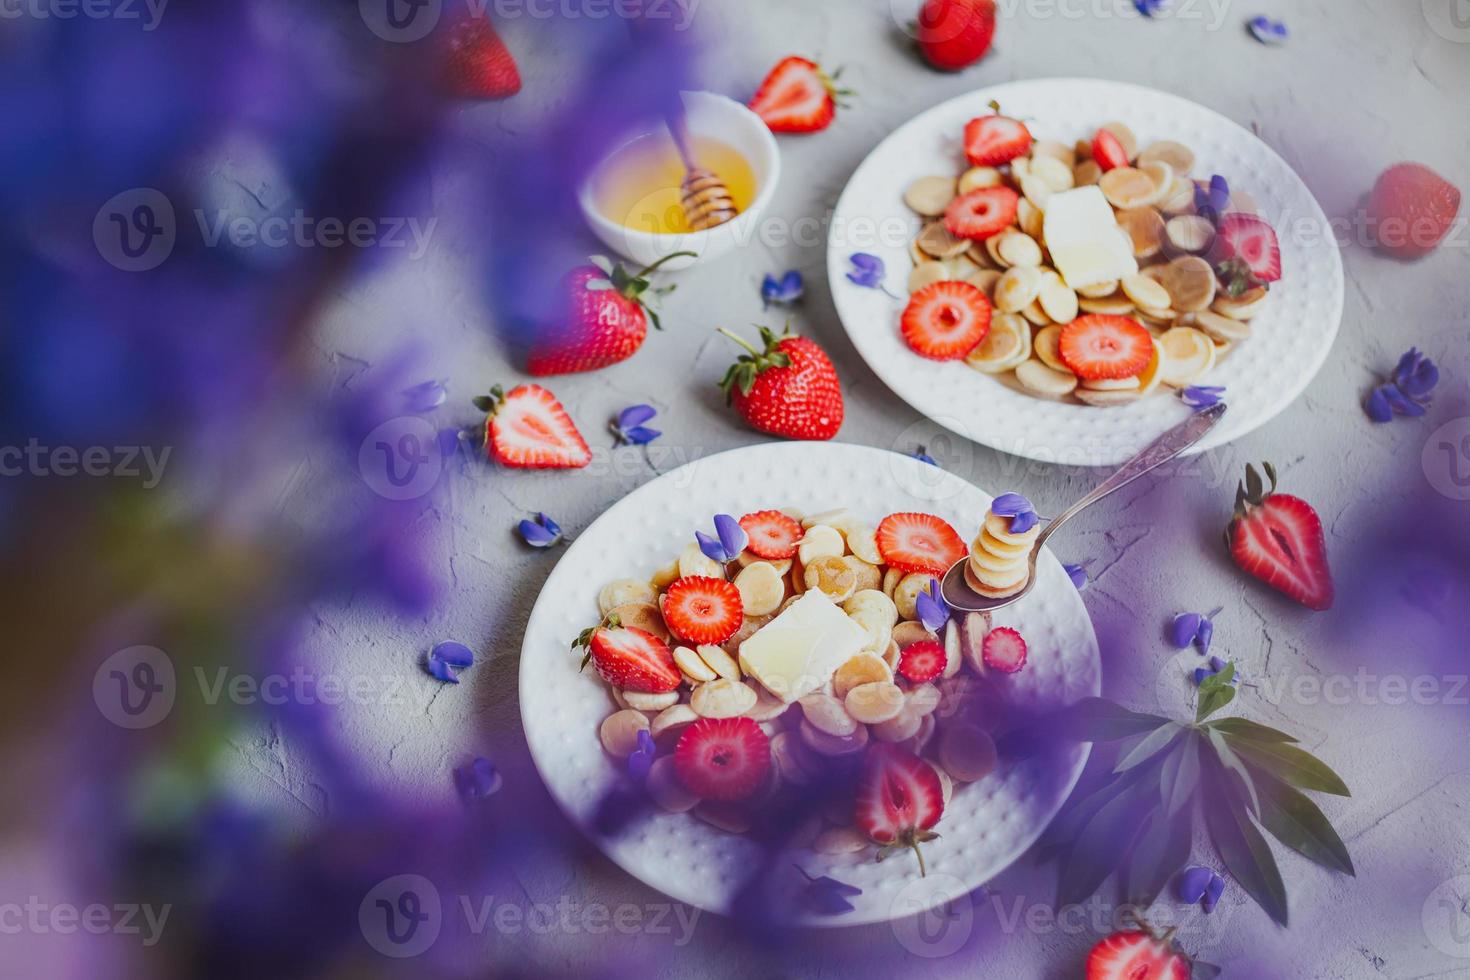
(1000, 562)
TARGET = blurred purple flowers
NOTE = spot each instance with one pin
(1022, 514)
(641, 759)
(730, 541)
(1406, 391)
(630, 426)
(542, 532)
(787, 291)
(446, 658)
(1211, 200)
(1150, 7)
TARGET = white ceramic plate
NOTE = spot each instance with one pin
(1263, 375)
(987, 824)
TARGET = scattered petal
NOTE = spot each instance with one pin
(1078, 575)
(922, 455)
(635, 415)
(1202, 396)
(1204, 635)
(1024, 522)
(425, 397)
(1267, 31)
(629, 427)
(1213, 892)
(786, 291)
(1378, 407)
(1184, 629)
(933, 611)
(867, 270)
(1010, 505)
(477, 780)
(446, 658)
(1193, 883)
(542, 532)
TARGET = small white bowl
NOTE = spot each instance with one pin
(716, 117)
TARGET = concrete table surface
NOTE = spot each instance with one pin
(1360, 85)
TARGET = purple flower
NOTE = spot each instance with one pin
(1078, 575)
(827, 896)
(1200, 397)
(1267, 31)
(1407, 390)
(641, 759)
(731, 540)
(542, 532)
(1196, 628)
(1150, 7)
(446, 658)
(1212, 200)
(786, 291)
(477, 780)
(868, 271)
(1213, 892)
(629, 427)
(1197, 884)
(933, 610)
(1022, 514)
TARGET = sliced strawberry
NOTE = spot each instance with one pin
(772, 534)
(630, 659)
(529, 429)
(1278, 539)
(703, 610)
(1246, 252)
(919, 543)
(1108, 151)
(922, 661)
(797, 97)
(1004, 650)
(993, 140)
(982, 213)
(946, 321)
(1099, 346)
(1412, 209)
(723, 758)
(1136, 956)
(899, 798)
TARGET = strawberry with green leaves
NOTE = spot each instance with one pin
(788, 387)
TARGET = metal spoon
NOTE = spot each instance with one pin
(956, 590)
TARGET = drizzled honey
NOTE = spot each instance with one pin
(639, 185)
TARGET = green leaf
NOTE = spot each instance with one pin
(1245, 853)
(1180, 776)
(1155, 742)
(1253, 486)
(1246, 729)
(1100, 720)
(1101, 846)
(1291, 764)
(1233, 765)
(1293, 819)
(1215, 692)
(484, 403)
(1161, 851)
(1061, 836)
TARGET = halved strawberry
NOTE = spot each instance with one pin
(945, 321)
(982, 213)
(703, 610)
(1246, 252)
(723, 758)
(1098, 346)
(922, 661)
(528, 428)
(772, 534)
(993, 140)
(1278, 538)
(1412, 209)
(899, 798)
(919, 543)
(1108, 151)
(630, 659)
(1136, 956)
(1004, 650)
(797, 97)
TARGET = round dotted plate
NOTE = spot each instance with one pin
(987, 825)
(1290, 337)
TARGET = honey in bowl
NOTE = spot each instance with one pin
(638, 187)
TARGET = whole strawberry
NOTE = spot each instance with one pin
(788, 389)
(1412, 209)
(1278, 539)
(608, 311)
(477, 64)
(954, 34)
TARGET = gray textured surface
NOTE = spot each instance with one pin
(1362, 84)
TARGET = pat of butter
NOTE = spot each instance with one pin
(800, 650)
(1082, 234)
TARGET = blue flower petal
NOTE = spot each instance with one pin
(924, 457)
(549, 524)
(537, 535)
(1204, 635)
(1010, 504)
(711, 547)
(1267, 31)
(478, 780)
(454, 654)
(1078, 575)
(1024, 522)
(639, 764)
(645, 741)
(635, 415)
(1378, 407)
(867, 271)
(1193, 883)
(1200, 673)
(640, 435)
(933, 611)
(425, 397)
(1182, 631)
(1213, 891)
(732, 535)
(439, 670)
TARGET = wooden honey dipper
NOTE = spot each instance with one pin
(706, 200)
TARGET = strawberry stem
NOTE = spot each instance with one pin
(672, 255)
(739, 340)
